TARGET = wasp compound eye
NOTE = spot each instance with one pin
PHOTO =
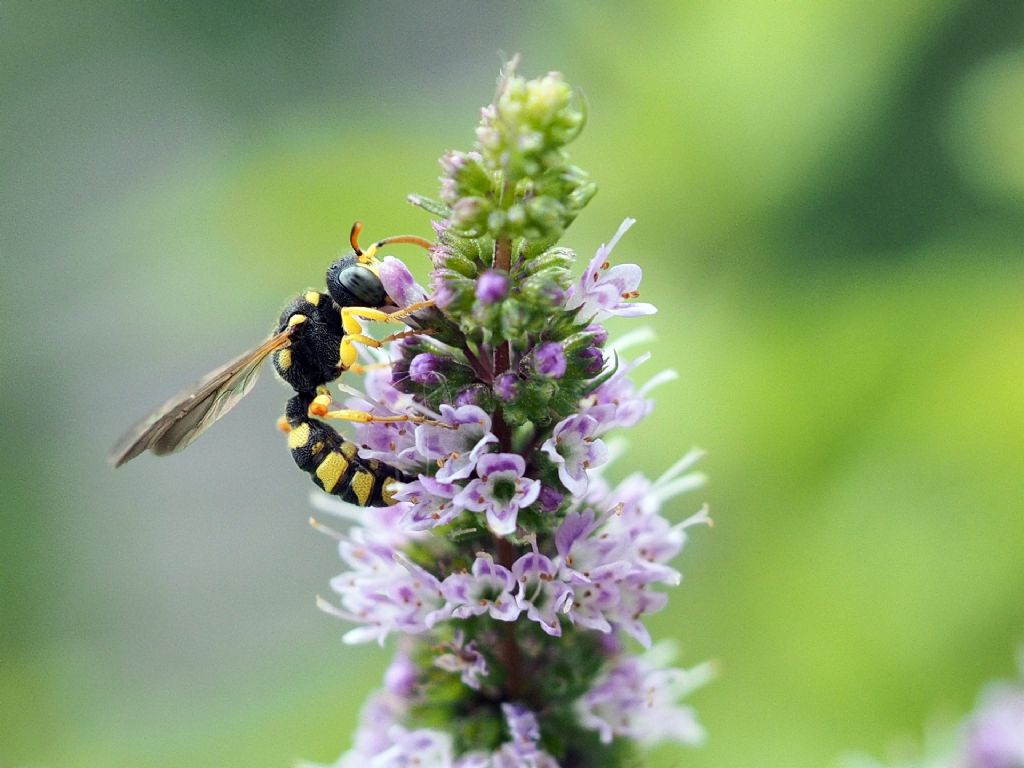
(352, 284)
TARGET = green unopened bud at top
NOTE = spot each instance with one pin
(524, 131)
(517, 183)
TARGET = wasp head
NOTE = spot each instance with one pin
(353, 283)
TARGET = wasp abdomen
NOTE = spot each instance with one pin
(333, 462)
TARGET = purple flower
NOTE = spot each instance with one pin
(592, 360)
(595, 598)
(541, 594)
(376, 528)
(523, 748)
(383, 591)
(617, 403)
(381, 713)
(411, 749)
(506, 386)
(424, 368)
(399, 283)
(457, 447)
(522, 723)
(465, 660)
(599, 334)
(500, 490)
(574, 448)
(380, 389)
(453, 161)
(441, 290)
(634, 699)
(634, 602)
(492, 287)
(389, 442)
(604, 290)
(385, 744)
(643, 535)
(550, 498)
(488, 589)
(579, 546)
(428, 503)
(470, 395)
(549, 360)
(440, 226)
(610, 585)
(995, 733)
(401, 675)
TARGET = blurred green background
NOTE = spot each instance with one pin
(830, 198)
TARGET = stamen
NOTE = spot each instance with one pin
(318, 526)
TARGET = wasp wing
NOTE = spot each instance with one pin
(183, 418)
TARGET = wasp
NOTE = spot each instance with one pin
(312, 344)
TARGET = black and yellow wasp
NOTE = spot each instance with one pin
(312, 344)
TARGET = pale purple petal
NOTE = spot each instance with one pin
(399, 283)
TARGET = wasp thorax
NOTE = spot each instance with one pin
(353, 284)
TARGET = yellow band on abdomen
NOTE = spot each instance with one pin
(331, 470)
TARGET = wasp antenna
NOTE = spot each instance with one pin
(371, 252)
(422, 242)
(353, 237)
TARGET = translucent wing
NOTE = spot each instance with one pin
(183, 418)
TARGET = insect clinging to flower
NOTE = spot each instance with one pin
(312, 344)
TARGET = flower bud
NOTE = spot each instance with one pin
(472, 395)
(506, 386)
(550, 498)
(598, 333)
(423, 369)
(549, 360)
(591, 360)
(492, 286)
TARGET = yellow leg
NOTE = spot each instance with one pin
(359, 369)
(351, 323)
(362, 417)
(351, 316)
(321, 403)
(320, 408)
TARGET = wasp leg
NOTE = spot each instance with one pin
(351, 322)
(363, 417)
(359, 369)
(350, 316)
(347, 352)
(320, 408)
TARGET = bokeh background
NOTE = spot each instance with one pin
(830, 198)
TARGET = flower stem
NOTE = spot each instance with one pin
(509, 649)
(502, 262)
(503, 253)
(505, 551)
(503, 352)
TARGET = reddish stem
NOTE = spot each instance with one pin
(504, 550)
